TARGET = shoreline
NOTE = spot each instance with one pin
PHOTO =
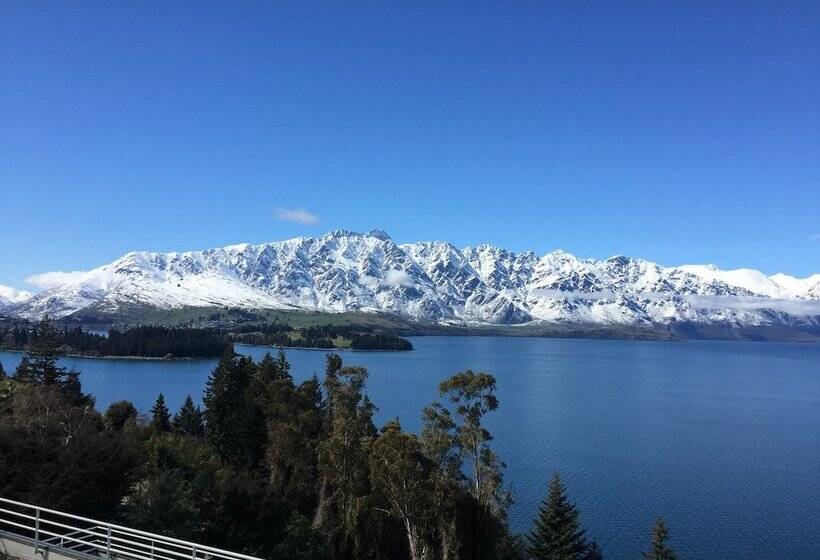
(196, 358)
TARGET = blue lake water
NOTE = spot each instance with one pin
(720, 438)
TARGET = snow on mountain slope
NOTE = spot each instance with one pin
(11, 296)
(753, 281)
(434, 281)
(457, 282)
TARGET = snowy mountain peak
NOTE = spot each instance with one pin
(432, 281)
(379, 234)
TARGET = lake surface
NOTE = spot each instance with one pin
(720, 438)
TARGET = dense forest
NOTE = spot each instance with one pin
(146, 341)
(278, 469)
(319, 336)
(179, 342)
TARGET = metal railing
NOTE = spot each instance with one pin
(77, 536)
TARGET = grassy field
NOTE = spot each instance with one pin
(225, 318)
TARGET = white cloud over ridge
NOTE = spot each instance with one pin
(13, 295)
(398, 278)
(297, 216)
(48, 280)
(797, 307)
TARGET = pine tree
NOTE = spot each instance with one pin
(39, 365)
(273, 369)
(221, 395)
(160, 416)
(659, 550)
(234, 423)
(556, 534)
(189, 419)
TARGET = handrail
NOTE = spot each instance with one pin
(108, 539)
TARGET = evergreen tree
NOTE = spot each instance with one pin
(270, 369)
(593, 551)
(5, 387)
(189, 419)
(282, 365)
(556, 534)
(234, 424)
(39, 365)
(160, 415)
(659, 550)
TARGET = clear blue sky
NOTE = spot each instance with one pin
(679, 132)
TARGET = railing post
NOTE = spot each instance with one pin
(108, 542)
(193, 553)
(36, 530)
(152, 549)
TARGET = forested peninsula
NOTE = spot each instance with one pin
(186, 342)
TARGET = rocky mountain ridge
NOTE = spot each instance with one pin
(434, 282)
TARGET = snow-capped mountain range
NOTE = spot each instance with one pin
(432, 282)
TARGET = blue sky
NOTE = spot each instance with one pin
(685, 132)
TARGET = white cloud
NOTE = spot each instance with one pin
(296, 215)
(48, 280)
(398, 278)
(13, 295)
(570, 294)
(798, 307)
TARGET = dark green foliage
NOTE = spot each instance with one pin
(319, 336)
(146, 341)
(57, 454)
(402, 476)
(189, 420)
(301, 542)
(39, 366)
(365, 341)
(120, 414)
(293, 422)
(160, 415)
(659, 549)
(188, 493)
(5, 389)
(473, 395)
(557, 534)
(342, 456)
(234, 422)
(511, 547)
(173, 494)
(272, 369)
(2, 371)
(593, 551)
(272, 468)
(472, 509)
